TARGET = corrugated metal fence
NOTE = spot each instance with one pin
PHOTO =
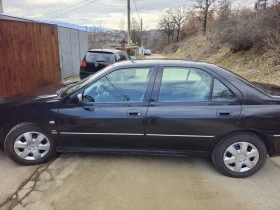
(73, 45)
(29, 56)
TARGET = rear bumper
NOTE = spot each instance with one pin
(84, 74)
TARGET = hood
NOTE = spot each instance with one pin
(40, 94)
(273, 90)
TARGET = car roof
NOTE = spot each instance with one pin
(172, 62)
(163, 61)
(104, 50)
(233, 78)
(178, 62)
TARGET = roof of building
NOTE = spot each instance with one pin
(55, 22)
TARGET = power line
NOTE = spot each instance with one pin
(51, 11)
(136, 9)
(63, 8)
(68, 12)
(110, 5)
(98, 18)
(38, 6)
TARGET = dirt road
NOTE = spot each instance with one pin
(154, 56)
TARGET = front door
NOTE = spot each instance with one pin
(112, 113)
(189, 109)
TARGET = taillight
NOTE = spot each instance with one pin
(83, 64)
(110, 64)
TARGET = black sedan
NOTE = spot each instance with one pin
(167, 107)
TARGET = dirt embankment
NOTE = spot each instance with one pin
(252, 65)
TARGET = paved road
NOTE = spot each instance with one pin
(154, 56)
(88, 181)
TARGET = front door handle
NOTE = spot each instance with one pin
(224, 113)
(134, 113)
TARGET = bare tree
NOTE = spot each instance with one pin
(192, 25)
(167, 25)
(135, 31)
(122, 24)
(224, 11)
(96, 37)
(204, 7)
(178, 15)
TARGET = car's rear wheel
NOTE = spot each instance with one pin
(239, 155)
(28, 144)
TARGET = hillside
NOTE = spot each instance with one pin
(252, 65)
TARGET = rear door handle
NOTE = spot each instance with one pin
(134, 113)
(224, 113)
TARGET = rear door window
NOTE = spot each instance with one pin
(221, 92)
(93, 57)
(184, 84)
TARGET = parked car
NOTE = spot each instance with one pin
(97, 59)
(133, 58)
(170, 107)
(147, 52)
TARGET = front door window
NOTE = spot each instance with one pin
(123, 85)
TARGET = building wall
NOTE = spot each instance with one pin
(29, 56)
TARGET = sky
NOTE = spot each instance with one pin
(93, 12)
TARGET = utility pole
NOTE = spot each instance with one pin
(1, 7)
(128, 23)
(141, 37)
(141, 32)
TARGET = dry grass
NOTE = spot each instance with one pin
(262, 67)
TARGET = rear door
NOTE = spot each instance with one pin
(190, 107)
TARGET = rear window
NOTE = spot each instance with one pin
(93, 57)
(270, 89)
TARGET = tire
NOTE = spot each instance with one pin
(40, 149)
(231, 153)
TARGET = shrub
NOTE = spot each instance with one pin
(244, 31)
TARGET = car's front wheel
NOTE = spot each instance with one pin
(239, 155)
(28, 144)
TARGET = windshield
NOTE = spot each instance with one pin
(93, 57)
(72, 87)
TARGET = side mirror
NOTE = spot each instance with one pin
(80, 99)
